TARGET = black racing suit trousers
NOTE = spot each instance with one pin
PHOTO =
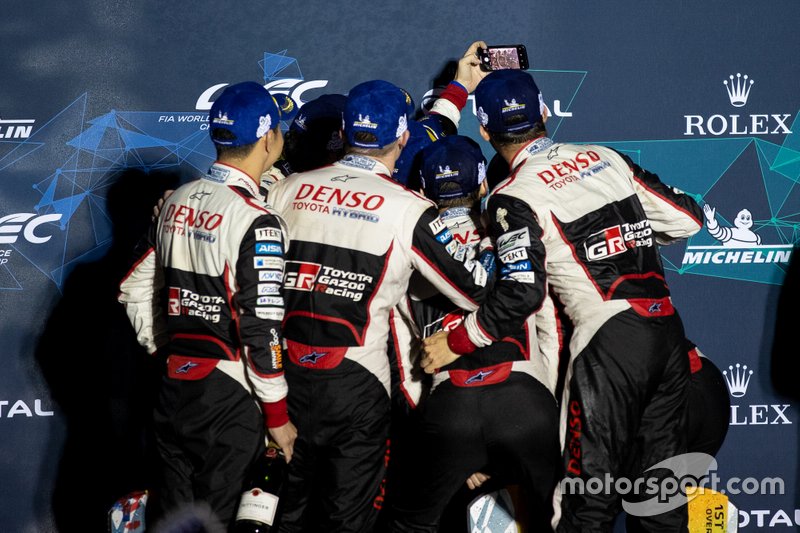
(335, 478)
(626, 411)
(508, 429)
(208, 433)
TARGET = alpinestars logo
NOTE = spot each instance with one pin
(737, 89)
(737, 243)
(738, 379)
(282, 75)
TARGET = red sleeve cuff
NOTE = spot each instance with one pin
(456, 94)
(276, 414)
(458, 341)
(695, 363)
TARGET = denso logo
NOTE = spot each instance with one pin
(567, 167)
(26, 223)
(331, 195)
(183, 214)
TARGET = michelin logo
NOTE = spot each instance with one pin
(737, 243)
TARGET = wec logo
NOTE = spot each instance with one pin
(11, 226)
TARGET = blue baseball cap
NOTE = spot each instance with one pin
(375, 107)
(411, 107)
(247, 110)
(287, 105)
(323, 108)
(508, 93)
(408, 162)
(454, 159)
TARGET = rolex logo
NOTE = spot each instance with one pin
(738, 89)
(738, 379)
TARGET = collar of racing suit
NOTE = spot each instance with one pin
(226, 174)
(527, 150)
(364, 162)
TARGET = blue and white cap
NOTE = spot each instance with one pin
(508, 100)
(377, 107)
(456, 160)
(248, 111)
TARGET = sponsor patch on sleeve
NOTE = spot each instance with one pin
(521, 266)
(269, 313)
(271, 263)
(445, 236)
(268, 234)
(437, 226)
(452, 247)
(512, 256)
(271, 275)
(270, 300)
(520, 238)
(269, 288)
(480, 276)
(268, 248)
(522, 277)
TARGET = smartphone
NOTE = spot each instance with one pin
(504, 56)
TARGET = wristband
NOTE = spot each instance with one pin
(276, 414)
(456, 94)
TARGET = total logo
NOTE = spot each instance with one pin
(737, 243)
(737, 89)
(770, 518)
(738, 379)
(555, 110)
(22, 408)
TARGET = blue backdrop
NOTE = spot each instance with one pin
(103, 104)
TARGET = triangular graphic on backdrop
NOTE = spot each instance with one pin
(274, 65)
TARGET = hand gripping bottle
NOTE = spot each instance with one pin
(259, 503)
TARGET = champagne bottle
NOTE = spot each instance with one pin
(259, 503)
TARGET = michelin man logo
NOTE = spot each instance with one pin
(739, 236)
(264, 125)
(483, 117)
(402, 126)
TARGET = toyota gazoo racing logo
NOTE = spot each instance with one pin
(303, 276)
(300, 275)
(618, 239)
